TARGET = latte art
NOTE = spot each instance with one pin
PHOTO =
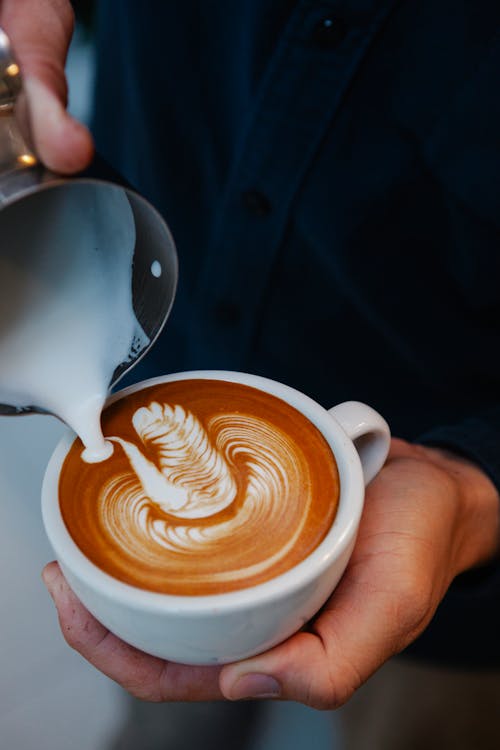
(192, 480)
(212, 486)
(266, 500)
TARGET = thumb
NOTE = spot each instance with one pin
(298, 670)
(377, 609)
(40, 32)
(321, 668)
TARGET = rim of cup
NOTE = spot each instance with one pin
(336, 541)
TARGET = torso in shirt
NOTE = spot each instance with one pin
(320, 166)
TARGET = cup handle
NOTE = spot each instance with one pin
(368, 431)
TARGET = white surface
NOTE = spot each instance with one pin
(47, 692)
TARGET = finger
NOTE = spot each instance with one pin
(40, 32)
(304, 669)
(321, 668)
(144, 676)
(62, 143)
(401, 449)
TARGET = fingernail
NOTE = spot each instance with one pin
(255, 686)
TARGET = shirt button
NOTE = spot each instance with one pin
(227, 313)
(329, 32)
(257, 203)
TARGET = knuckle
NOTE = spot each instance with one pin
(329, 701)
(413, 605)
(322, 697)
(331, 685)
(329, 696)
(147, 686)
(344, 683)
(143, 692)
(332, 678)
(73, 632)
(50, 70)
(63, 10)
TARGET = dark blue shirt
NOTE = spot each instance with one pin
(330, 172)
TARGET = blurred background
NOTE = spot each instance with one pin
(50, 698)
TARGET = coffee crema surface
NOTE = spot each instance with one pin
(213, 486)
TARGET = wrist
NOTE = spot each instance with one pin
(478, 508)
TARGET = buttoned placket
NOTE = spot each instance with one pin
(321, 48)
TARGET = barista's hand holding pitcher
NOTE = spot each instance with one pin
(40, 31)
(428, 516)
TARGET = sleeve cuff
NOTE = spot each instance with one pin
(476, 439)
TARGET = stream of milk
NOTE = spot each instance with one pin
(66, 314)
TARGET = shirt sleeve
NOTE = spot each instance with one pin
(476, 438)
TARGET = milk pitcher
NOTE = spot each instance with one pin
(43, 214)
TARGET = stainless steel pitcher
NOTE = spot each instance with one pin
(23, 179)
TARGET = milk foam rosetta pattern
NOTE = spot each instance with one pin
(183, 472)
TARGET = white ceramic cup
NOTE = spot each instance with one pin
(220, 628)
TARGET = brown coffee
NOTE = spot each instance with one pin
(213, 486)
